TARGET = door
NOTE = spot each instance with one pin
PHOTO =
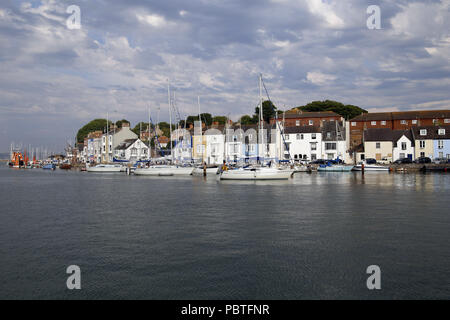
(409, 156)
(378, 156)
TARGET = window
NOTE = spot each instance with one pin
(403, 145)
(311, 122)
(435, 121)
(250, 137)
(297, 122)
(423, 132)
(403, 122)
(374, 123)
(328, 135)
(422, 154)
(441, 155)
(383, 123)
(313, 136)
(441, 132)
(299, 136)
(447, 121)
(313, 146)
(353, 124)
(286, 137)
(402, 155)
(440, 144)
(313, 157)
(422, 144)
(295, 156)
(235, 138)
(378, 145)
(330, 146)
(414, 121)
(133, 151)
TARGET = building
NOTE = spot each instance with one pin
(442, 143)
(182, 144)
(334, 143)
(94, 147)
(394, 121)
(378, 143)
(215, 146)
(132, 150)
(297, 118)
(424, 141)
(113, 139)
(302, 143)
(403, 145)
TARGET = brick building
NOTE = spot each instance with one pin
(300, 118)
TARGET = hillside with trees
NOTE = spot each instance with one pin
(94, 125)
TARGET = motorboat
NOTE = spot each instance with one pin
(261, 173)
(49, 166)
(105, 168)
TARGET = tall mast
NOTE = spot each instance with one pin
(200, 118)
(170, 118)
(107, 138)
(261, 116)
(149, 144)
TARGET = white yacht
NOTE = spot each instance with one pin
(164, 170)
(262, 173)
(371, 167)
(105, 168)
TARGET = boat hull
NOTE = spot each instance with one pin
(105, 169)
(257, 174)
(335, 169)
(209, 171)
(163, 171)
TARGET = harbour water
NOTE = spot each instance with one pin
(189, 238)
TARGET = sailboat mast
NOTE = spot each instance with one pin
(261, 117)
(170, 118)
(149, 144)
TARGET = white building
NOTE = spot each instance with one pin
(132, 150)
(302, 143)
(115, 137)
(215, 146)
(403, 145)
(334, 144)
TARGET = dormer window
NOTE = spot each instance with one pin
(441, 132)
(423, 132)
(328, 135)
(403, 122)
(446, 120)
(414, 121)
(311, 122)
(374, 123)
(383, 123)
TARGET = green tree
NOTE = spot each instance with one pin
(346, 111)
(143, 125)
(119, 123)
(220, 119)
(269, 111)
(247, 120)
(94, 125)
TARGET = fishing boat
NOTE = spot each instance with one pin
(49, 166)
(262, 173)
(371, 167)
(334, 168)
(105, 168)
(164, 170)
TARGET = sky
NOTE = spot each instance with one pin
(54, 79)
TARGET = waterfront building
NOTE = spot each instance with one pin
(113, 139)
(395, 121)
(403, 145)
(302, 143)
(424, 140)
(378, 143)
(334, 143)
(198, 142)
(94, 147)
(132, 150)
(182, 145)
(215, 146)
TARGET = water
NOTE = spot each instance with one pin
(166, 238)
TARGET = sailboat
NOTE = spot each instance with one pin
(258, 173)
(166, 170)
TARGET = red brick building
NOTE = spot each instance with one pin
(395, 121)
(300, 118)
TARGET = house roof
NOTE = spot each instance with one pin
(397, 134)
(126, 144)
(432, 133)
(403, 115)
(332, 127)
(378, 134)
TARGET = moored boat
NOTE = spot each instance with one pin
(262, 173)
(65, 166)
(334, 168)
(49, 166)
(105, 168)
(371, 167)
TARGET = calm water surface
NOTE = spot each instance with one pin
(166, 238)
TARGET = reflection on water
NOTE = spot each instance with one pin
(312, 236)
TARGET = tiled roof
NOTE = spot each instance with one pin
(302, 129)
(397, 134)
(432, 133)
(375, 134)
(403, 115)
(376, 116)
(303, 114)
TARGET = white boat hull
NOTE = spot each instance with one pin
(209, 171)
(163, 171)
(105, 169)
(256, 174)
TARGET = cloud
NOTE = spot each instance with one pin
(120, 60)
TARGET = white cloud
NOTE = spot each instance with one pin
(152, 19)
(326, 11)
(319, 78)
